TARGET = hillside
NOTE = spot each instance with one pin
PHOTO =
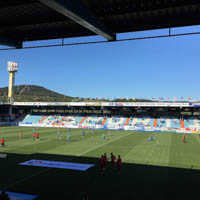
(34, 93)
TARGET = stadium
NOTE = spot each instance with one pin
(138, 116)
(57, 149)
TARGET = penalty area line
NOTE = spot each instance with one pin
(70, 159)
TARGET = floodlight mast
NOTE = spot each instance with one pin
(12, 69)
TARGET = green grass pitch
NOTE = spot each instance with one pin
(165, 168)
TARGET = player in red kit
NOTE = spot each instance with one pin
(183, 139)
(37, 136)
(119, 162)
(2, 143)
(34, 135)
(113, 158)
(20, 134)
(105, 161)
(101, 164)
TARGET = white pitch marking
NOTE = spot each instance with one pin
(102, 145)
(45, 170)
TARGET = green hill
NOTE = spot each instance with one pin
(34, 93)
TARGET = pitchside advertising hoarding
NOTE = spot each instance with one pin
(114, 127)
(194, 104)
(149, 104)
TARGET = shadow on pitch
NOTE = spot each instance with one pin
(135, 181)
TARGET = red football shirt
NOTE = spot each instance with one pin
(2, 140)
(101, 162)
(119, 161)
(105, 158)
(112, 158)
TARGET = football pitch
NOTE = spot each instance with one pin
(164, 168)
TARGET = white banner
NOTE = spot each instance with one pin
(20, 196)
(3, 155)
(60, 165)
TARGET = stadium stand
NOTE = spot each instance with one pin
(114, 122)
(32, 119)
(10, 120)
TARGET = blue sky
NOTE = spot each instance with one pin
(164, 67)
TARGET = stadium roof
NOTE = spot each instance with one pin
(32, 20)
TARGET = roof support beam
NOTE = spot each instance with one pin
(76, 11)
(11, 43)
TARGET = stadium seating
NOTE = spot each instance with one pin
(142, 122)
(32, 119)
(4, 119)
(114, 122)
(91, 121)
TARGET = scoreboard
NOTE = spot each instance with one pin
(12, 66)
